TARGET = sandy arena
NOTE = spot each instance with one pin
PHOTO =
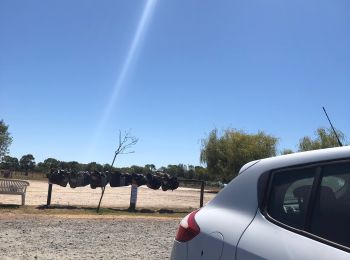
(114, 197)
(28, 236)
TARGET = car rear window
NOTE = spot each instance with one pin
(331, 214)
(289, 196)
(313, 201)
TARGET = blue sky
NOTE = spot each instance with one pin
(195, 65)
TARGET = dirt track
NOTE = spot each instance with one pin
(43, 237)
(98, 237)
(114, 197)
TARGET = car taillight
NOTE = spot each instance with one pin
(188, 228)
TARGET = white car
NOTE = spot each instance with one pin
(293, 206)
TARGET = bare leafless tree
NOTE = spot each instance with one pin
(126, 142)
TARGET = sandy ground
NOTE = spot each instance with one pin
(26, 236)
(113, 197)
(44, 237)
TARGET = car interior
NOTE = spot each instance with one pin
(289, 202)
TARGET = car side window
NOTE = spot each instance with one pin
(331, 214)
(333, 182)
(289, 196)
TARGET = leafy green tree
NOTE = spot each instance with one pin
(286, 151)
(27, 163)
(176, 170)
(137, 169)
(5, 139)
(162, 169)
(225, 154)
(64, 165)
(9, 163)
(149, 168)
(171, 169)
(40, 167)
(51, 163)
(201, 173)
(190, 173)
(125, 169)
(106, 167)
(93, 166)
(74, 166)
(324, 138)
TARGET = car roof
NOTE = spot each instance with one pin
(301, 158)
(242, 193)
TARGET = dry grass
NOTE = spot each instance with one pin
(183, 198)
(10, 211)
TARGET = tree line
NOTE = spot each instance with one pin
(27, 164)
(222, 153)
(225, 153)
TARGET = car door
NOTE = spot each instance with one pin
(304, 215)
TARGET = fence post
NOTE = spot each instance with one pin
(133, 197)
(202, 194)
(49, 192)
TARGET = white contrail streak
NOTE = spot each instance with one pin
(131, 55)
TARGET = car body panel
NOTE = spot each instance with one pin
(265, 240)
(235, 207)
(213, 221)
(179, 250)
(206, 246)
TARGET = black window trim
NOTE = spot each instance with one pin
(315, 187)
(313, 196)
